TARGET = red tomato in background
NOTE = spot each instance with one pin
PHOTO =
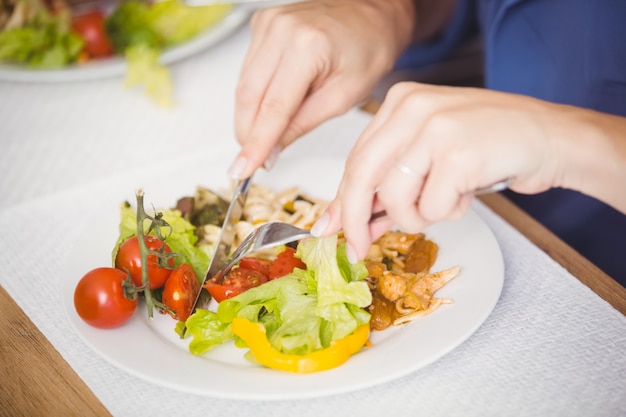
(284, 264)
(180, 290)
(128, 258)
(256, 264)
(99, 298)
(90, 27)
(237, 281)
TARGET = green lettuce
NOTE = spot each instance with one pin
(182, 239)
(42, 40)
(144, 70)
(141, 31)
(176, 22)
(303, 311)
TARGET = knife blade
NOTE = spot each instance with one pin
(224, 242)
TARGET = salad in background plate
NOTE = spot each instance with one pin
(40, 35)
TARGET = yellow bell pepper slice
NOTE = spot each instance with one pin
(336, 354)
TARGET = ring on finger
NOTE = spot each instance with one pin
(406, 170)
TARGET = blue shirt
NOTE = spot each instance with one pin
(564, 51)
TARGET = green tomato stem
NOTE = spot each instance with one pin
(143, 251)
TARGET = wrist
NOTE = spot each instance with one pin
(398, 21)
(594, 146)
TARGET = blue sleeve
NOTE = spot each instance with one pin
(461, 27)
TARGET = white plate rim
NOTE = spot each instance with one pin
(475, 293)
(116, 66)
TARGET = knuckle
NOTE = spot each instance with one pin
(273, 108)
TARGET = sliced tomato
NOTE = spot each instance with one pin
(180, 290)
(236, 282)
(256, 264)
(285, 263)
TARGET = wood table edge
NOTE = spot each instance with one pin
(51, 387)
(584, 270)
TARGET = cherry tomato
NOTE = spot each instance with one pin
(180, 290)
(285, 263)
(236, 282)
(90, 27)
(256, 264)
(128, 258)
(99, 298)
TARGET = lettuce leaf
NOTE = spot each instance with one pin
(176, 22)
(144, 70)
(142, 31)
(46, 43)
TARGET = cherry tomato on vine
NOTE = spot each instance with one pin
(237, 281)
(128, 258)
(285, 263)
(180, 290)
(99, 298)
(90, 27)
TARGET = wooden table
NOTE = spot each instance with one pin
(37, 372)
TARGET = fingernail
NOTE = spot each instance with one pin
(272, 158)
(320, 225)
(237, 167)
(351, 254)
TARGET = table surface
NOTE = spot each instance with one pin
(554, 344)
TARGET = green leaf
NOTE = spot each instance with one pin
(307, 309)
(182, 239)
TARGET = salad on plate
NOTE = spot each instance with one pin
(40, 35)
(302, 308)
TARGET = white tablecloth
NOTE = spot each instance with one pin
(551, 347)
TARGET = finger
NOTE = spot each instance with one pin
(256, 75)
(460, 165)
(335, 97)
(366, 168)
(285, 92)
(378, 227)
(389, 106)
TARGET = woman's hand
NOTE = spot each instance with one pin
(309, 62)
(430, 147)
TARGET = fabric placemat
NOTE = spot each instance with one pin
(550, 347)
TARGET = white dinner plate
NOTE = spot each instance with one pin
(116, 66)
(153, 351)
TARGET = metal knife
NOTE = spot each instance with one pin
(224, 243)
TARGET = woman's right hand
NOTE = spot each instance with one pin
(309, 62)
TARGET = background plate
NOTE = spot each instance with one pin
(116, 66)
(223, 372)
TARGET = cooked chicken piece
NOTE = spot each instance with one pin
(421, 288)
(398, 241)
(382, 311)
(426, 285)
(392, 286)
(375, 269)
(421, 256)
